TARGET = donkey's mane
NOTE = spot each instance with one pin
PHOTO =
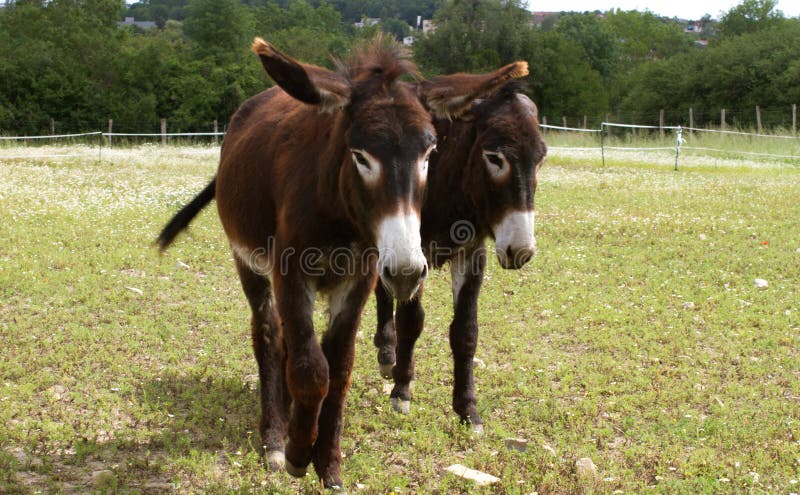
(380, 56)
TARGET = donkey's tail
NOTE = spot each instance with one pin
(182, 219)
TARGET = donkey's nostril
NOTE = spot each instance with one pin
(509, 253)
(424, 272)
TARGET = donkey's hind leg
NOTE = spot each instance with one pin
(467, 274)
(269, 353)
(385, 338)
(410, 319)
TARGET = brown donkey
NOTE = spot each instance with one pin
(319, 188)
(481, 183)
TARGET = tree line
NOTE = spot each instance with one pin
(69, 60)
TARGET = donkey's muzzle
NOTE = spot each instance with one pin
(403, 283)
(515, 239)
(401, 263)
(514, 259)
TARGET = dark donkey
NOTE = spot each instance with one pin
(481, 183)
(319, 185)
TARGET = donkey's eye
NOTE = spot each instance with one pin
(360, 159)
(428, 153)
(494, 160)
(367, 165)
(423, 163)
(496, 164)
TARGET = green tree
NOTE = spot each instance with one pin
(474, 35)
(758, 68)
(749, 16)
(56, 60)
(407, 10)
(159, 11)
(218, 28)
(562, 80)
(644, 37)
(740, 72)
(394, 26)
(660, 84)
(599, 42)
(160, 15)
(308, 33)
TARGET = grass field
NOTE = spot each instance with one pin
(637, 338)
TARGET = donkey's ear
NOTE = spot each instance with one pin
(308, 83)
(449, 96)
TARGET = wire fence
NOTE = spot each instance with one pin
(608, 138)
(674, 139)
(756, 117)
(95, 143)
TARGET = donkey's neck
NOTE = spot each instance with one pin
(449, 194)
(329, 198)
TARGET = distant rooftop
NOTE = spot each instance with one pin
(130, 21)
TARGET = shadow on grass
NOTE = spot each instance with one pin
(184, 431)
(212, 422)
(202, 412)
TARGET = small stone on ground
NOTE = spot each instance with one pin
(518, 444)
(480, 478)
(585, 469)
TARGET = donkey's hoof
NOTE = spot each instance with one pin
(296, 471)
(386, 370)
(335, 488)
(477, 429)
(276, 460)
(400, 405)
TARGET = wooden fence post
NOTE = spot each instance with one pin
(661, 123)
(544, 122)
(608, 128)
(633, 122)
(722, 120)
(216, 130)
(794, 119)
(52, 130)
(758, 119)
(164, 131)
(691, 118)
(564, 120)
(110, 130)
(585, 121)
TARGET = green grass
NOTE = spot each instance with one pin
(636, 337)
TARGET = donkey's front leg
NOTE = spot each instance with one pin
(338, 344)
(467, 274)
(385, 338)
(410, 319)
(306, 366)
